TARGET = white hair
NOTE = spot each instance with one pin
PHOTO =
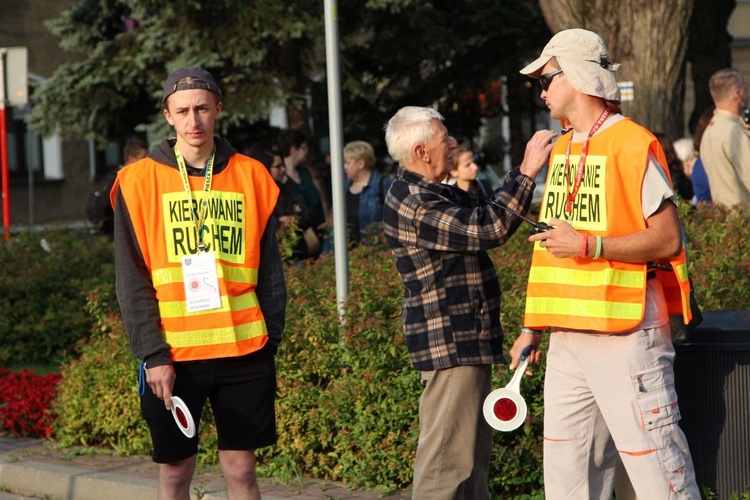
(683, 148)
(407, 128)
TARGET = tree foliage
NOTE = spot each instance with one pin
(450, 54)
(393, 52)
(462, 57)
(132, 45)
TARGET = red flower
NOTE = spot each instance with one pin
(25, 399)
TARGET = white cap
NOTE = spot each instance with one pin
(583, 57)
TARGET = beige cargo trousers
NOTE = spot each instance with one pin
(606, 395)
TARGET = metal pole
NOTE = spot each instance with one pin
(4, 149)
(30, 184)
(337, 153)
(92, 160)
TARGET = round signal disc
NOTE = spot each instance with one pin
(182, 417)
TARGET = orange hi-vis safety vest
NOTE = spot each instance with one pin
(241, 200)
(601, 295)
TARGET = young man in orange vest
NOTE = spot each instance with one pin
(605, 280)
(201, 288)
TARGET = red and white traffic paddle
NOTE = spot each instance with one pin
(505, 409)
(182, 417)
(180, 411)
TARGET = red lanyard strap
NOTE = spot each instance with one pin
(581, 164)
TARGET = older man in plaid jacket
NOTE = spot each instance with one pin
(439, 235)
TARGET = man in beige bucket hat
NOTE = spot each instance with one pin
(604, 281)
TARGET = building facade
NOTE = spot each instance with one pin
(49, 179)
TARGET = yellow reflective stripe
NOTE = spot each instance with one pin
(214, 336)
(178, 308)
(166, 275)
(169, 275)
(585, 308)
(578, 277)
(240, 274)
(682, 272)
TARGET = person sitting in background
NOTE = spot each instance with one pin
(98, 208)
(680, 181)
(685, 152)
(292, 144)
(134, 149)
(465, 171)
(365, 190)
(321, 172)
(291, 206)
(701, 189)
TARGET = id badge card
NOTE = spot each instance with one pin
(201, 282)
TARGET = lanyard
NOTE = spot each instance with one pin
(581, 164)
(199, 220)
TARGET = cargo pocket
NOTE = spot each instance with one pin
(656, 398)
(657, 403)
(674, 465)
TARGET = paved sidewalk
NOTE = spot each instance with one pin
(35, 469)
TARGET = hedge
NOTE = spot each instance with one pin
(348, 396)
(45, 281)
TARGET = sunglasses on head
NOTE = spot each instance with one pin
(546, 79)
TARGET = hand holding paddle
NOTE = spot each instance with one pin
(505, 409)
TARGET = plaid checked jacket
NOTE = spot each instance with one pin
(439, 236)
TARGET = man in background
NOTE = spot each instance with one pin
(725, 146)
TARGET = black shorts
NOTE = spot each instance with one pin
(242, 392)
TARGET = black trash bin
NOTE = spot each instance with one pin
(712, 378)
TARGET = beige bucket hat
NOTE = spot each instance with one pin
(584, 58)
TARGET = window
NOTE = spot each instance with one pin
(29, 152)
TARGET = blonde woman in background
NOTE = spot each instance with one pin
(365, 190)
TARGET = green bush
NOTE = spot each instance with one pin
(45, 280)
(719, 256)
(97, 402)
(348, 396)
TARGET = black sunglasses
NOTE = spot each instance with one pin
(546, 79)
